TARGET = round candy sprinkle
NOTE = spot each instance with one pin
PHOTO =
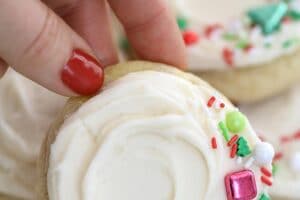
(235, 122)
(263, 154)
(190, 37)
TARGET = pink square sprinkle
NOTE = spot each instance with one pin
(241, 185)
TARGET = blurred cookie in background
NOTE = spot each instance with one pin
(277, 120)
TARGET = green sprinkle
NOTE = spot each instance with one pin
(268, 17)
(295, 15)
(243, 148)
(288, 43)
(274, 169)
(264, 197)
(182, 23)
(242, 44)
(124, 44)
(235, 121)
(230, 36)
(224, 130)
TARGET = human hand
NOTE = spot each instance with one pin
(64, 44)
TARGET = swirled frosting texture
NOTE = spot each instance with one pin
(146, 136)
(26, 111)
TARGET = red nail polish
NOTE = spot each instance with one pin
(82, 73)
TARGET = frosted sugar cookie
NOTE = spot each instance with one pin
(152, 133)
(278, 121)
(26, 111)
(247, 49)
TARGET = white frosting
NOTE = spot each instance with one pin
(206, 54)
(274, 119)
(146, 136)
(26, 111)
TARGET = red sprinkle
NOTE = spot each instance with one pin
(278, 156)
(266, 181)
(297, 135)
(211, 101)
(232, 140)
(190, 37)
(286, 20)
(233, 151)
(228, 56)
(248, 48)
(284, 139)
(265, 171)
(222, 105)
(211, 28)
(214, 143)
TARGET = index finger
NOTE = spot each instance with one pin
(152, 30)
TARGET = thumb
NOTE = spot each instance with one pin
(38, 44)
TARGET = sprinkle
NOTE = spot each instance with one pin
(295, 15)
(249, 162)
(287, 43)
(266, 181)
(278, 156)
(124, 44)
(284, 139)
(242, 44)
(286, 20)
(265, 171)
(264, 197)
(214, 143)
(248, 48)
(211, 101)
(243, 148)
(229, 36)
(263, 153)
(240, 185)
(233, 151)
(228, 56)
(190, 37)
(224, 130)
(233, 140)
(239, 160)
(209, 30)
(268, 17)
(274, 169)
(222, 105)
(297, 135)
(235, 121)
(182, 22)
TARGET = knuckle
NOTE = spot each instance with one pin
(44, 39)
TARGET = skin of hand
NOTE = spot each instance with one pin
(63, 45)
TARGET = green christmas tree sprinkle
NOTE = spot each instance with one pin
(269, 17)
(264, 197)
(243, 148)
(182, 23)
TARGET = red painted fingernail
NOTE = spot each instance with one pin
(82, 73)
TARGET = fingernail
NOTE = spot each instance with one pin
(82, 73)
